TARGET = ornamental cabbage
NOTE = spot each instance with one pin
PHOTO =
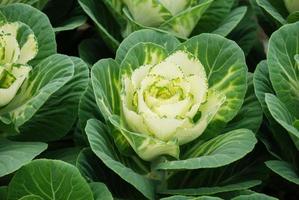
(34, 79)
(167, 15)
(115, 19)
(159, 94)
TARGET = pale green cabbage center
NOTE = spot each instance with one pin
(169, 101)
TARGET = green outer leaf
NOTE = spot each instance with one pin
(266, 5)
(100, 191)
(103, 21)
(142, 54)
(14, 155)
(61, 106)
(214, 190)
(181, 197)
(213, 16)
(105, 82)
(101, 146)
(284, 170)
(165, 40)
(251, 115)
(226, 69)
(283, 69)
(40, 25)
(219, 151)
(254, 196)
(281, 114)
(183, 23)
(231, 21)
(49, 179)
(45, 79)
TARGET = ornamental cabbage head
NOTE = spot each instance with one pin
(170, 100)
(116, 19)
(159, 94)
(14, 57)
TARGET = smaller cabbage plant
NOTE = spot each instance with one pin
(34, 79)
(276, 85)
(39, 89)
(181, 18)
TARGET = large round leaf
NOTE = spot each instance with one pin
(219, 151)
(142, 54)
(283, 65)
(38, 22)
(62, 106)
(226, 69)
(251, 115)
(167, 41)
(49, 179)
(14, 155)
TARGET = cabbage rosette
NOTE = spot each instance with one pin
(159, 94)
(34, 79)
